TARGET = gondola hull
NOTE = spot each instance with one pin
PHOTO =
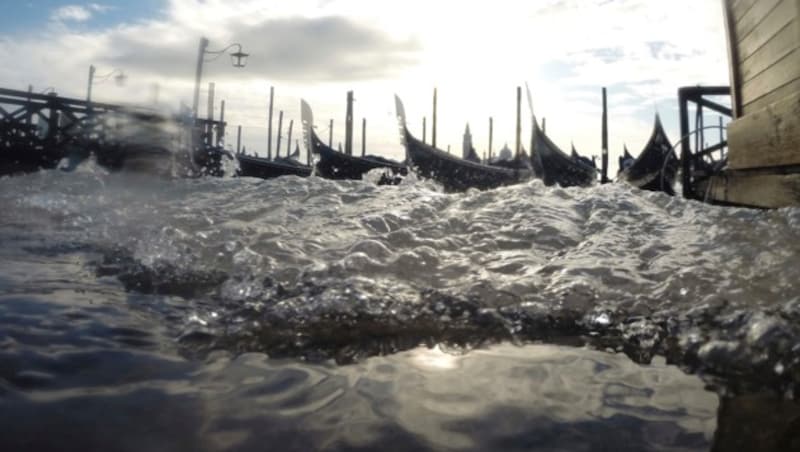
(453, 173)
(332, 164)
(267, 169)
(554, 166)
(656, 167)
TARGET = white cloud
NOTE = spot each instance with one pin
(73, 13)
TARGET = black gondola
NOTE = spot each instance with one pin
(656, 167)
(262, 168)
(554, 166)
(333, 164)
(454, 173)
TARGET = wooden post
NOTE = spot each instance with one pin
(448, 148)
(544, 125)
(363, 137)
(604, 137)
(519, 123)
(491, 134)
(330, 135)
(686, 170)
(89, 89)
(269, 124)
(52, 120)
(433, 129)
(209, 138)
(221, 126)
(308, 154)
(424, 129)
(280, 130)
(348, 125)
(29, 115)
(289, 139)
(238, 139)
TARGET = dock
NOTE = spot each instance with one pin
(761, 165)
(39, 131)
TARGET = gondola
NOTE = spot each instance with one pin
(656, 166)
(333, 164)
(454, 173)
(555, 167)
(262, 168)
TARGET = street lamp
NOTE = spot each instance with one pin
(238, 59)
(119, 78)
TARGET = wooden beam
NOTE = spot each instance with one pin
(766, 138)
(733, 60)
(757, 190)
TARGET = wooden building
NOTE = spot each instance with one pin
(763, 167)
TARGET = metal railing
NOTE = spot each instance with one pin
(701, 161)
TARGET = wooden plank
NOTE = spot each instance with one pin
(759, 190)
(776, 95)
(746, 23)
(769, 137)
(785, 70)
(741, 7)
(772, 23)
(771, 52)
(734, 69)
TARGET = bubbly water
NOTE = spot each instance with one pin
(144, 313)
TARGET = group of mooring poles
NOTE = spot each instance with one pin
(279, 138)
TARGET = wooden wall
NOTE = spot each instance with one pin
(764, 49)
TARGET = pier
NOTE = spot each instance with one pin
(38, 131)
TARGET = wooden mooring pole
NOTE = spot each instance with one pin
(269, 125)
(433, 128)
(289, 139)
(519, 122)
(221, 126)
(239, 139)
(363, 137)
(348, 125)
(491, 135)
(210, 115)
(604, 155)
(280, 131)
(330, 134)
(424, 129)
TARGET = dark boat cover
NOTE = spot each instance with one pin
(656, 167)
(454, 173)
(333, 164)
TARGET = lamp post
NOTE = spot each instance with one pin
(119, 78)
(238, 59)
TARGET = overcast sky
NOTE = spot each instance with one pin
(476, 52)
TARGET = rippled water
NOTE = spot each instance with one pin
(139, 313)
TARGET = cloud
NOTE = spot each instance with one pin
(296, 49)
(73, 13)
(77, 13)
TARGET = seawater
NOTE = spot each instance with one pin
(145, 313)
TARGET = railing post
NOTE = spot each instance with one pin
(686, 153)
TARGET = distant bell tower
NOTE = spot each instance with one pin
(467, 148)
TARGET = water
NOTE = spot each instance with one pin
(142, 313)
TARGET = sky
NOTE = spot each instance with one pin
(475, 52)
